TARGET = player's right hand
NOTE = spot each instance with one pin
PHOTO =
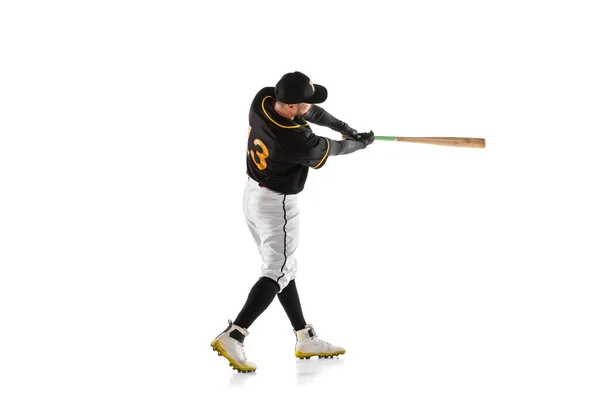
(365, 138)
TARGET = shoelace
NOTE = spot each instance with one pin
(326, 344)
(241, 351)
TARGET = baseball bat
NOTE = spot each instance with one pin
(440, 141)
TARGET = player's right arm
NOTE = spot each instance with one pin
(318, 115)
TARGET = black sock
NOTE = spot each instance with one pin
(291, 304)
(261, 295)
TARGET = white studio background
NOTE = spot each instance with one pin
(445, 272)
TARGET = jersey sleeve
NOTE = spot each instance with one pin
(318, 115)
(304, 147)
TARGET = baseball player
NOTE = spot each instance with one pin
(281, 149)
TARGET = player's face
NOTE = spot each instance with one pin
(301, 109)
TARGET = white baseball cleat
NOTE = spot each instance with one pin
(229, 345)
(308, 345)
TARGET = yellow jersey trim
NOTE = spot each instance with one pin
(325, 156)
(275, 122)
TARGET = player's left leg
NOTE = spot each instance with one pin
(230, 344)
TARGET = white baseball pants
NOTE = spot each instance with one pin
(273, 221)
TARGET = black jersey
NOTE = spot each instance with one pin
(281, 150)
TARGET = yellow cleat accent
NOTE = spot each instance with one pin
(217, 347)
(320, 355)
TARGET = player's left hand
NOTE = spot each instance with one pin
(350, 134)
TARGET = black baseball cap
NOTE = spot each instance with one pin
(296, 87)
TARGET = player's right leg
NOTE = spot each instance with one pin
(290, 301)
(308, 344)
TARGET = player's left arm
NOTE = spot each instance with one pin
(311, 150)
(318, 115)
(303, 147)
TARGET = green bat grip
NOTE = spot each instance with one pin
(389, 138)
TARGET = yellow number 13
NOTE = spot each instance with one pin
(262, 155)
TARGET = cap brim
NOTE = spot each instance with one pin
(320, 95)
